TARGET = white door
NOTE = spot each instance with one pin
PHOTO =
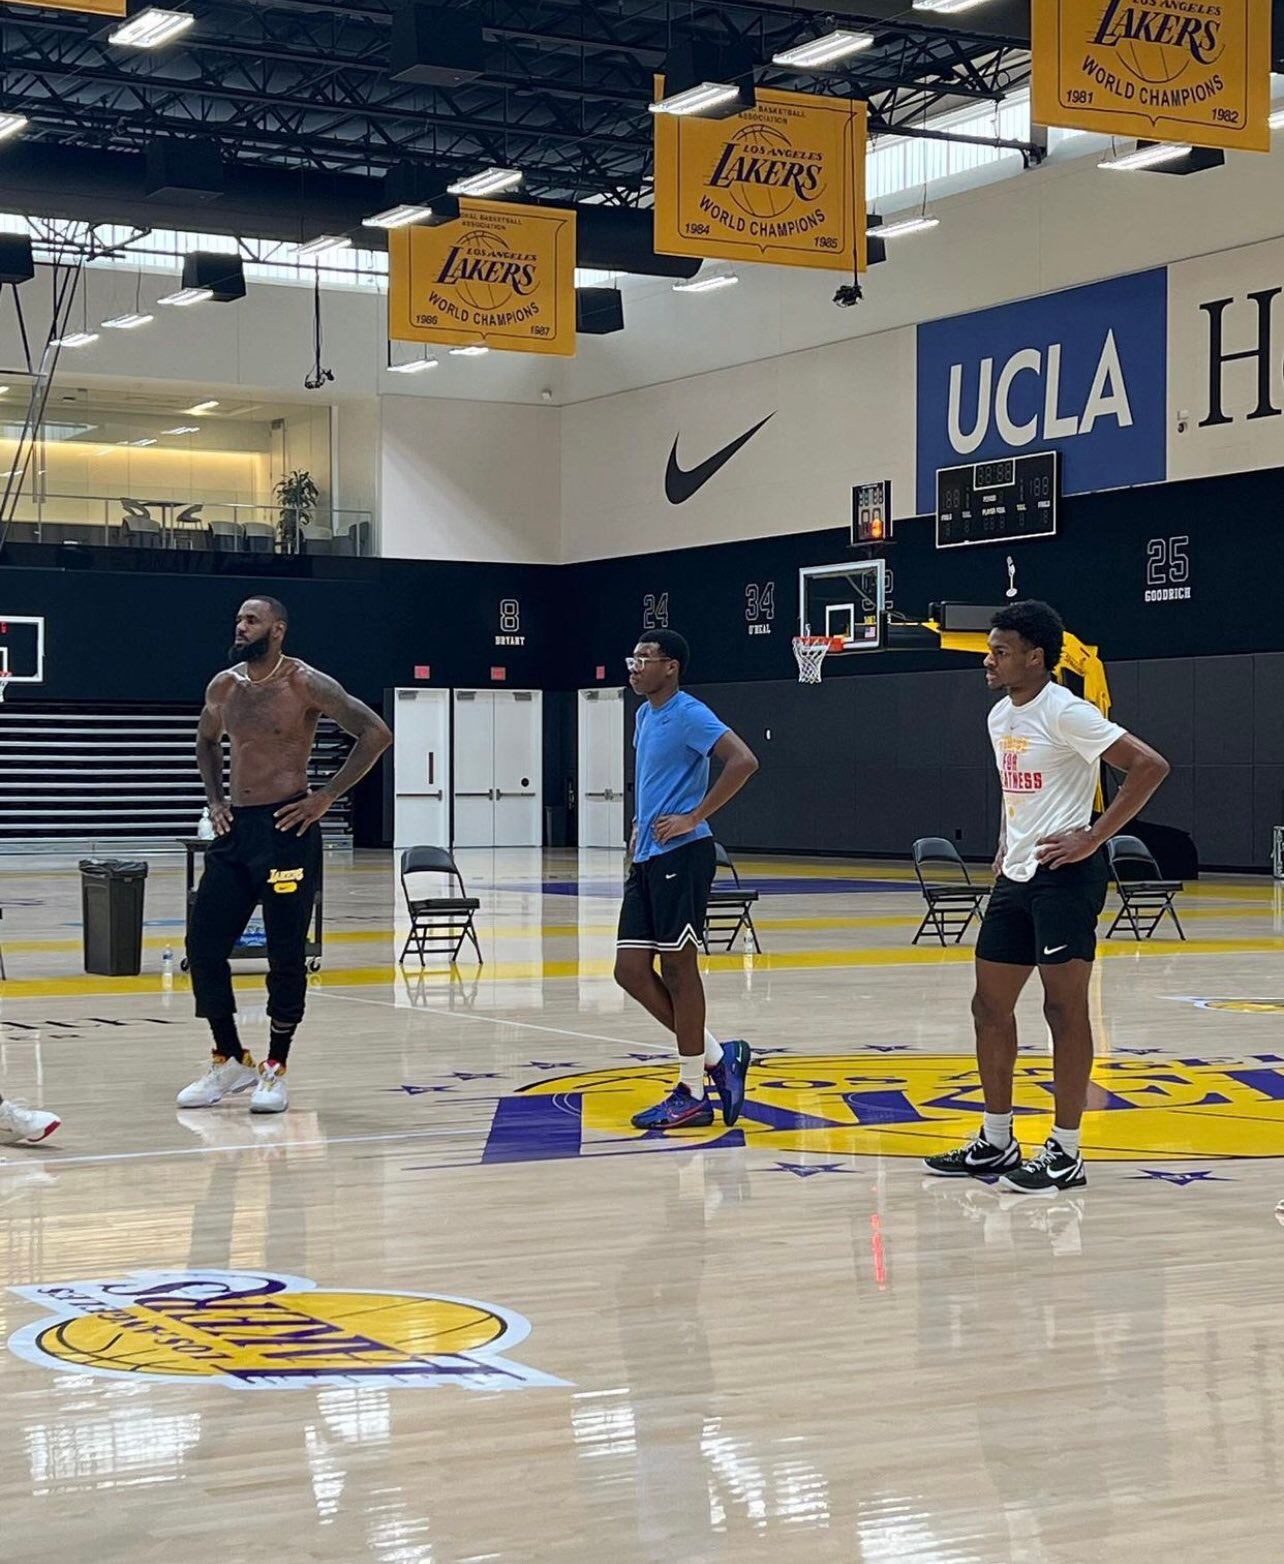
(421, 768)
(601, 768)
(474, 768)
(499, 768)
(519, 768)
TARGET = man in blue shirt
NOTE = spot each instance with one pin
(667, 890)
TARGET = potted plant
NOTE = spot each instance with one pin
(297, 495)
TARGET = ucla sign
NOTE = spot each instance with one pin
(1083, 372)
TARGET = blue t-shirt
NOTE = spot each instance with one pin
(673, 745)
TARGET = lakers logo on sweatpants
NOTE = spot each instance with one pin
(285, 881)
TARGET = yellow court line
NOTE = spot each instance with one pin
(549, 971)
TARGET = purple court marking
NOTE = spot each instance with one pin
(1181, 1180)
(805, 1170)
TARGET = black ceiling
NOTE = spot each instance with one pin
(302, 87)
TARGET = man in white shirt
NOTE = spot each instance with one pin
(1050, 887)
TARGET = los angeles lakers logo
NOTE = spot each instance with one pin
(1247, 1007)
(910, 1106)
(264, 1331)
(1167, 70)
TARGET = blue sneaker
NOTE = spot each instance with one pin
(728, 1076)
(679, 1110)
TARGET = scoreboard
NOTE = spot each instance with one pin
(998, 501)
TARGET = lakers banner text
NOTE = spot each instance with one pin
(783, 182)
(1194, 72)
(502, 276)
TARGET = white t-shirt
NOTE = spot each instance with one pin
(1048, 753)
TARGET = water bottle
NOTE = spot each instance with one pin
(205, 830)
(167, 968)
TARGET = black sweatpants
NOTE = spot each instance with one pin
(254, 863)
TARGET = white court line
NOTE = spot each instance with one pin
(465, 1015)
(214, 1151)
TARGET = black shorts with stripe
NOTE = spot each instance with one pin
(665, 899)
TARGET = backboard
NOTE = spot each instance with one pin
(848, 600)
(22, 648)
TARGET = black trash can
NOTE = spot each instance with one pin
(111, 896)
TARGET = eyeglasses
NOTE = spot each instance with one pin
(636, 664)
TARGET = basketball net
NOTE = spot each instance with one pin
(810, 650)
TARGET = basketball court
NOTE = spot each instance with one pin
(696, 1345)
(506, 438)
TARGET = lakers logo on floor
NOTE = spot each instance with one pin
(1249, 1007)
(271, 1332)
(910, 1107)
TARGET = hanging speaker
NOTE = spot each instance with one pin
(16, 263)
(223, 275)
(599, 311)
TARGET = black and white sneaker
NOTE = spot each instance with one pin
(1048, 1172)
(977, 1160)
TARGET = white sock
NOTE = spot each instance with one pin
(712, 1049)
(997, 1129)
(691, 1073)
(1068, 1140)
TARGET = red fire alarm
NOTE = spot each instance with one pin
(423, 671)
(601, 670)
(498, 675)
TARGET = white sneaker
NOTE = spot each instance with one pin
(270, 1095)
(224, 1078)
(25, 1125)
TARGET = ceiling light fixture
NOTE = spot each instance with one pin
(474, 351)
(76, 339)
(1146, 157)
(183, 429)
(150, 28)
(946, 7)
(186, 296)
(398, 217)
(1276, 121)
(11, 124)
(707, 284)
(128, 322)
(907, 225)
(322, 245)
(414, 366)
(821, 52)
(491, 181)
(697, 100)
(201, 407)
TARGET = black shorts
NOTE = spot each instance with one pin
(665, 898)
(1048, 920)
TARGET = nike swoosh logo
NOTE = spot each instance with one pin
(1054, 951)
(681, 483)
(670, 876)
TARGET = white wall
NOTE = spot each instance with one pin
(838, 417)
(469, 480)
(1207, 390)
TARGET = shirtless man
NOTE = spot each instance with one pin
(267, 845)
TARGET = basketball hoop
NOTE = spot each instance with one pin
(811, 650)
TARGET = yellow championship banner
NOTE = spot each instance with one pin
(98, 7)
(783, 182)
(1195, 72)
(502, 276)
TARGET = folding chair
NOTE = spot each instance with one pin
(437, 923)
(1144, 898)
(728, 910)
(952, 899)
